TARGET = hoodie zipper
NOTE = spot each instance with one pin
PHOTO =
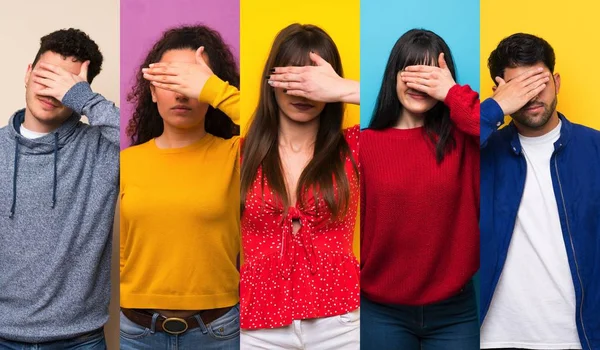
(562, 197)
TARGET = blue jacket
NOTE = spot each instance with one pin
(575, 166)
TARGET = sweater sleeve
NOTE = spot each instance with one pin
(492, 118)
(100, 112)
(219, 94)
(464, 109)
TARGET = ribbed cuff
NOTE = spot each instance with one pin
(77, 96)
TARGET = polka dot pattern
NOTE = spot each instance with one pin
(312, 273)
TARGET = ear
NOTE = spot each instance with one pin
(153, 92)
(494, 88)
(28, 74)
(557, 82)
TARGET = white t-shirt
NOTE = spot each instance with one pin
(533, 306)
(28, 134)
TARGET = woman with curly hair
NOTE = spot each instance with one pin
(180, 197)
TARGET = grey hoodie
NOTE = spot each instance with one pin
(57, 205)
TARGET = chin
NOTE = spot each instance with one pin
(49, 116)
(185, 124)
(418, 109)
(301, 117)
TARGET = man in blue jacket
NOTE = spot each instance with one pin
(540, 209)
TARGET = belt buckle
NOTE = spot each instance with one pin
(175, 325)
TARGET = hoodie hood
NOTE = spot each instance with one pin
(45, 144)
(50, 143)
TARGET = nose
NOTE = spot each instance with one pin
(181, 97)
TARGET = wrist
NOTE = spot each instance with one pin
(77, 96)
(501, 105)
(350, 93)
(211, 88)
(450, 94)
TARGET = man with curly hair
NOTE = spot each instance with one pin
(57, 201)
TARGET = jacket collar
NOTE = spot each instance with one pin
(565, 135)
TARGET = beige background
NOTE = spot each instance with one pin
(22, 24)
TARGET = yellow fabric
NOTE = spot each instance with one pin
(223, 96)
(578, 95)
(262, 20)
(180, 219)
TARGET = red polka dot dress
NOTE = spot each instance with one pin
(310, 274)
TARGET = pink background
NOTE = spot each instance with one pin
(143, 21)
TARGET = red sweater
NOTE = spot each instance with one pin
(419, 220)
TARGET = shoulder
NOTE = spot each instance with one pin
(137, 151)
(586, 139)
(368, 134)
(224, 145)
(5, 139)
(4, 132)
(352, 132)
(500, 138)
(352, 136)
(585, 131)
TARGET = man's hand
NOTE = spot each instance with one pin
(56, 80)
(513, 95)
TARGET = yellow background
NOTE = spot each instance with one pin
(571, 28)
(262, 20)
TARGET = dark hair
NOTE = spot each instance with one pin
(146, 122)
(520, 50)
(417, 46)
(72, 43)
(326, 169)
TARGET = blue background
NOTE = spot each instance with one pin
(382, 22)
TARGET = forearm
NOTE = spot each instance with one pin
(99, 111)
(464, 107)
(350, 92)
(220, 95)
(492, 117)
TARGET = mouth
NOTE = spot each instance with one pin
(180, 109)
(47, 104)
(534, 108)
(417, 95)
(302, 106)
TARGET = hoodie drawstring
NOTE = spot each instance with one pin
(54, 180)
(55, 166)
(14, 198)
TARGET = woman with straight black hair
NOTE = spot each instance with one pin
(420, 203)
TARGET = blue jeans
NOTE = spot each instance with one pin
(90, 341)
(221, 334)
(449, 324)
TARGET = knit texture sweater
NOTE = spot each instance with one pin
(419, 219)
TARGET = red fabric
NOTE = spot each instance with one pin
(310, 274)
(419, 220)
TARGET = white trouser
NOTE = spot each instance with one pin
(330, 333)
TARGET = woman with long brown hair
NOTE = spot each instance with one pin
(299, 194)
(180, 197)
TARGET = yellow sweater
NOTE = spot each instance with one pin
(180, 231)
